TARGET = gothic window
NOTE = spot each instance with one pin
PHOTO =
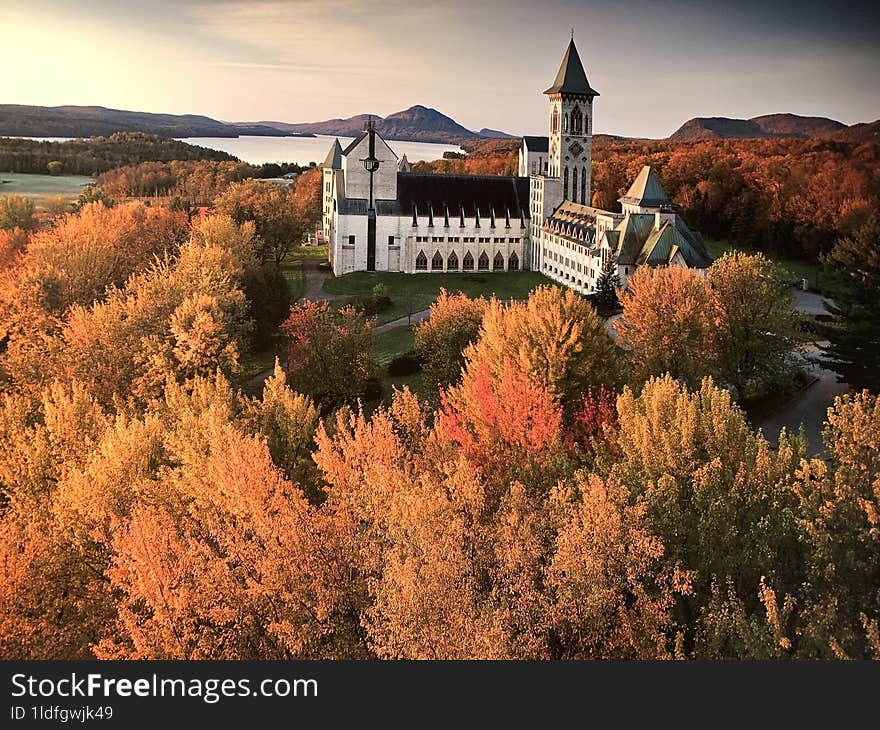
(452, 262)
(437, 262)
(565, 185)
(577, 121)
(483, 263)
(421, 262)
(467, 263)
(574, 185)
(584, 200)
(513, 263)
(498, 262)
(554, 125)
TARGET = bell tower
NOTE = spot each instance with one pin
(571, 127)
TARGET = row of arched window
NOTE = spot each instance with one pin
(467, 263)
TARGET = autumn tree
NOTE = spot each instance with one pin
(720, 499)
(610, 595)
(17, 211)
(453, 324)
(757, 326)
(667, 316)
(841, 504)
(270, 208)
(555, 338)
(327, 353)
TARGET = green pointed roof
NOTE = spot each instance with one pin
(571, 78)
(334, 156)
(647, 191)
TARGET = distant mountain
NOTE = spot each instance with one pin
(859, 133)
(770, 125)
(17, 120)
(416, 124)
(495, 134)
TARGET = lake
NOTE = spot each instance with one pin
(303, 150)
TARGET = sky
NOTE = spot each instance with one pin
(485, 63)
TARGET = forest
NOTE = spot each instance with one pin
(97, 154)
(558, 495)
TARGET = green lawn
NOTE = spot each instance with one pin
(390, 344)
(40, 187)
(415, 292)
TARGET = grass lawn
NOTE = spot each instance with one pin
(415, 292)
(40, 187)
(390, 344)
(292, 267)
(387, 346)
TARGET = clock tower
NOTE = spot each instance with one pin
(571, 128)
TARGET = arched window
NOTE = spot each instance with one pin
(437, 262)
(421, 262)
(452, 262)
(565, 122)
(498, 262)
(577, 121)
(513, 262)
(584, 200)
(574, 185)
(483, 263)
(565, 184)
(554, 124)
(467, 263)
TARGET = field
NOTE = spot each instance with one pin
(412, 293)
(41, 187)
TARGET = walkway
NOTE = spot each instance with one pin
(314, 279)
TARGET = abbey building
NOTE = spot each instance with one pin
(380, 216)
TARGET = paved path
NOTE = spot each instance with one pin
(401, 322)
(315, 278)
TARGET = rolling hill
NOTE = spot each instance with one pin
(767, 126)
(18, 120)
(416, 124)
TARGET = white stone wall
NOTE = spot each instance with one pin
(532, 163)
(398, 243)
(573, 264)
(357, 179)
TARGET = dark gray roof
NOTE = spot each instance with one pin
(434, 194)
(486, 192)
(354, 143)
(571, 78)
(647, 191)
(537, 144)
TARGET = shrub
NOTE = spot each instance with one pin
(406, 364)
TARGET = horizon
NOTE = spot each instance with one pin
(294, 62)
